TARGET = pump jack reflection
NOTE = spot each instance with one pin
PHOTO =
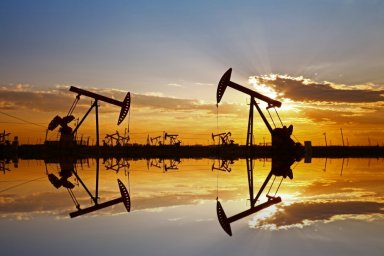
(281, 167)
(67, 169)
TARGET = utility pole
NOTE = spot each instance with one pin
(325, 138)
(342, 137)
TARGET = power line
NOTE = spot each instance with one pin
(23, 120)
(21, 184)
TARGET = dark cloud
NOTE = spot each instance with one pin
(302, 90)
(298, 213)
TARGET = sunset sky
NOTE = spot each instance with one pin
(323, 59)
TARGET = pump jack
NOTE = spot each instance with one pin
(67, 169)
(115, 139)
(173, 140)
(116, 163)
(223, 138)
(67, 134)
(173, 165)
(156, 140)
(4, 138)
(161, 164)
(281, 137)
(224, 165)
(280, 168)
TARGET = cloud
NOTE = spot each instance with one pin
(175, 85)
(59, 100)
(299, 214)
(306, 90)
(45, 202)
(58, 203)
(325, 102)
(345, 114)
(28, 97)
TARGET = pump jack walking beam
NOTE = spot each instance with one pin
(125, 105)
(226, 81)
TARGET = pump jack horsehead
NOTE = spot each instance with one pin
(66, 133)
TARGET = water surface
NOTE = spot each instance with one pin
(330, 207)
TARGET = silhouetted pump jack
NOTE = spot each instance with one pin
(66, 133)
(224, 138)
(281, 167)
(156, 140)
(125, 199)
(281, 137)
(173, 140)
(67, 170)
(224, 165)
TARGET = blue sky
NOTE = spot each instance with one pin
(147, 45)
(165, 50)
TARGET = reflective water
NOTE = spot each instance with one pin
(330, 207)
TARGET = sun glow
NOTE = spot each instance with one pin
(263, 88)
(269, 91)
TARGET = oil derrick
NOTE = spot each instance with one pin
(281, 136)
(173, 140)
(224, 138)
(155, 141)
(67, 135)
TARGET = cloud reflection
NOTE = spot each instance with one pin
(305, 213)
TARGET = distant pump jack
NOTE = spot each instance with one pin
(156, 140)
(224, 138)
(173, 140)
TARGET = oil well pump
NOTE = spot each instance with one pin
(281, 137)
(67, 169)
(4, 140)
(173, 140)
(67, 134)
(224, 165)
(115, 139)
(224, 138)
(171, 164)
(156, 140)
(116, 164)
(281, 167)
